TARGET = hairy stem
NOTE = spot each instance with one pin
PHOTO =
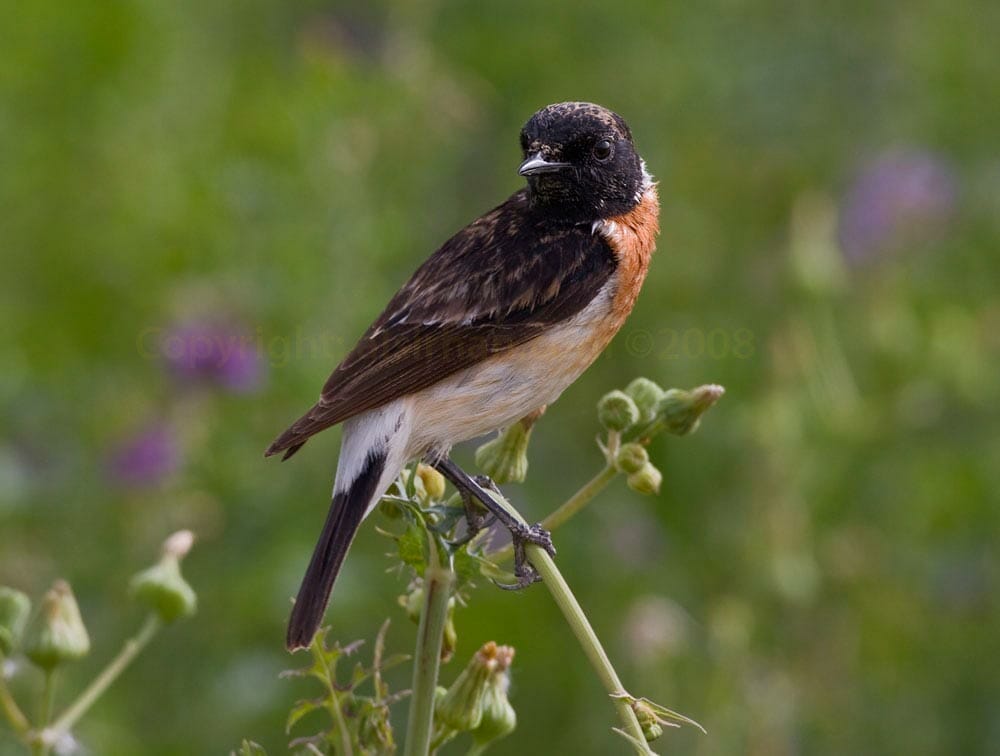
(438, 584)
(101, 683)
(567, 509)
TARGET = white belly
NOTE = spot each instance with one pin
(506, 387)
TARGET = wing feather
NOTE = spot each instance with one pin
(498, 283)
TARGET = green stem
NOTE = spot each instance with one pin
(438, 584)
(10, 708)
(581, 626)
(101, 683)
(567, 509)
(40, 747)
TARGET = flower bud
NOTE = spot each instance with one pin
(59, 635)
(161, 587)
(461, 708)
(682, 410)
(14, 610)
(631, 458)
(646, 481)
(449, 640)
(499, 718)
(413, 600)
(646, 394)
(505, 458)
(648, 721)
(432, 480)
(617, 411)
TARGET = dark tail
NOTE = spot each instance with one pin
(346, 513)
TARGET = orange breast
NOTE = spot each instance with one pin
(632, 238)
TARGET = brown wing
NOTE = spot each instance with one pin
(497, 283)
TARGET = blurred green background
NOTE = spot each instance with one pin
(820, 573)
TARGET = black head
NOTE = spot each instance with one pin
(580, 162)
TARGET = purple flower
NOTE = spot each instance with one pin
(214, 354)
(899, 199)
(146, 458)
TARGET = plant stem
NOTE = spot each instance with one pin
(101, 683)
(40, 746)
(316, 648)
(11, 710)
(438, 583)
(586, 636)
(567, 509)
(578, 621)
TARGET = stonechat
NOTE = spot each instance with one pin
(492, 327)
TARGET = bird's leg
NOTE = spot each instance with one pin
(519, 532)
(476, 518)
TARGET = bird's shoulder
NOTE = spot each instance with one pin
(506, 265)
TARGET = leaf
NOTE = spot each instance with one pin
(250, 748)
(466, 567)
(359, 676)
(300, 709)
(411, 548)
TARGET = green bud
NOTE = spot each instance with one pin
(59, 634)
(617, 411)
(14, 610)
(413, 600)
(461, 708)
(648, 721)
(646, 481)
(449, 640)
(682, 410)
(499, 718)
(631, 458)
(505, 458)
(161, 587)
(432, 480)
(646, 394)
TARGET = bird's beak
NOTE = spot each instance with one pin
(537, 164)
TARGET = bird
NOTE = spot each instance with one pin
(491, 328)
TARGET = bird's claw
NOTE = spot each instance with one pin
(524, 571)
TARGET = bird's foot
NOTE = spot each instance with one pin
(480, 489)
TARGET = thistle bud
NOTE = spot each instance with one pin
(617, 411)
(462, 706)
(432, 480)
(161, 587)
(14, 610)
(499, 718)
(59, 635)
(631, 458)
(505, 458)
(682, 410)
(646, 481)
(646, 394)
(648, 721)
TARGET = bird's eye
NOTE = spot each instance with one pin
(603, 150)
